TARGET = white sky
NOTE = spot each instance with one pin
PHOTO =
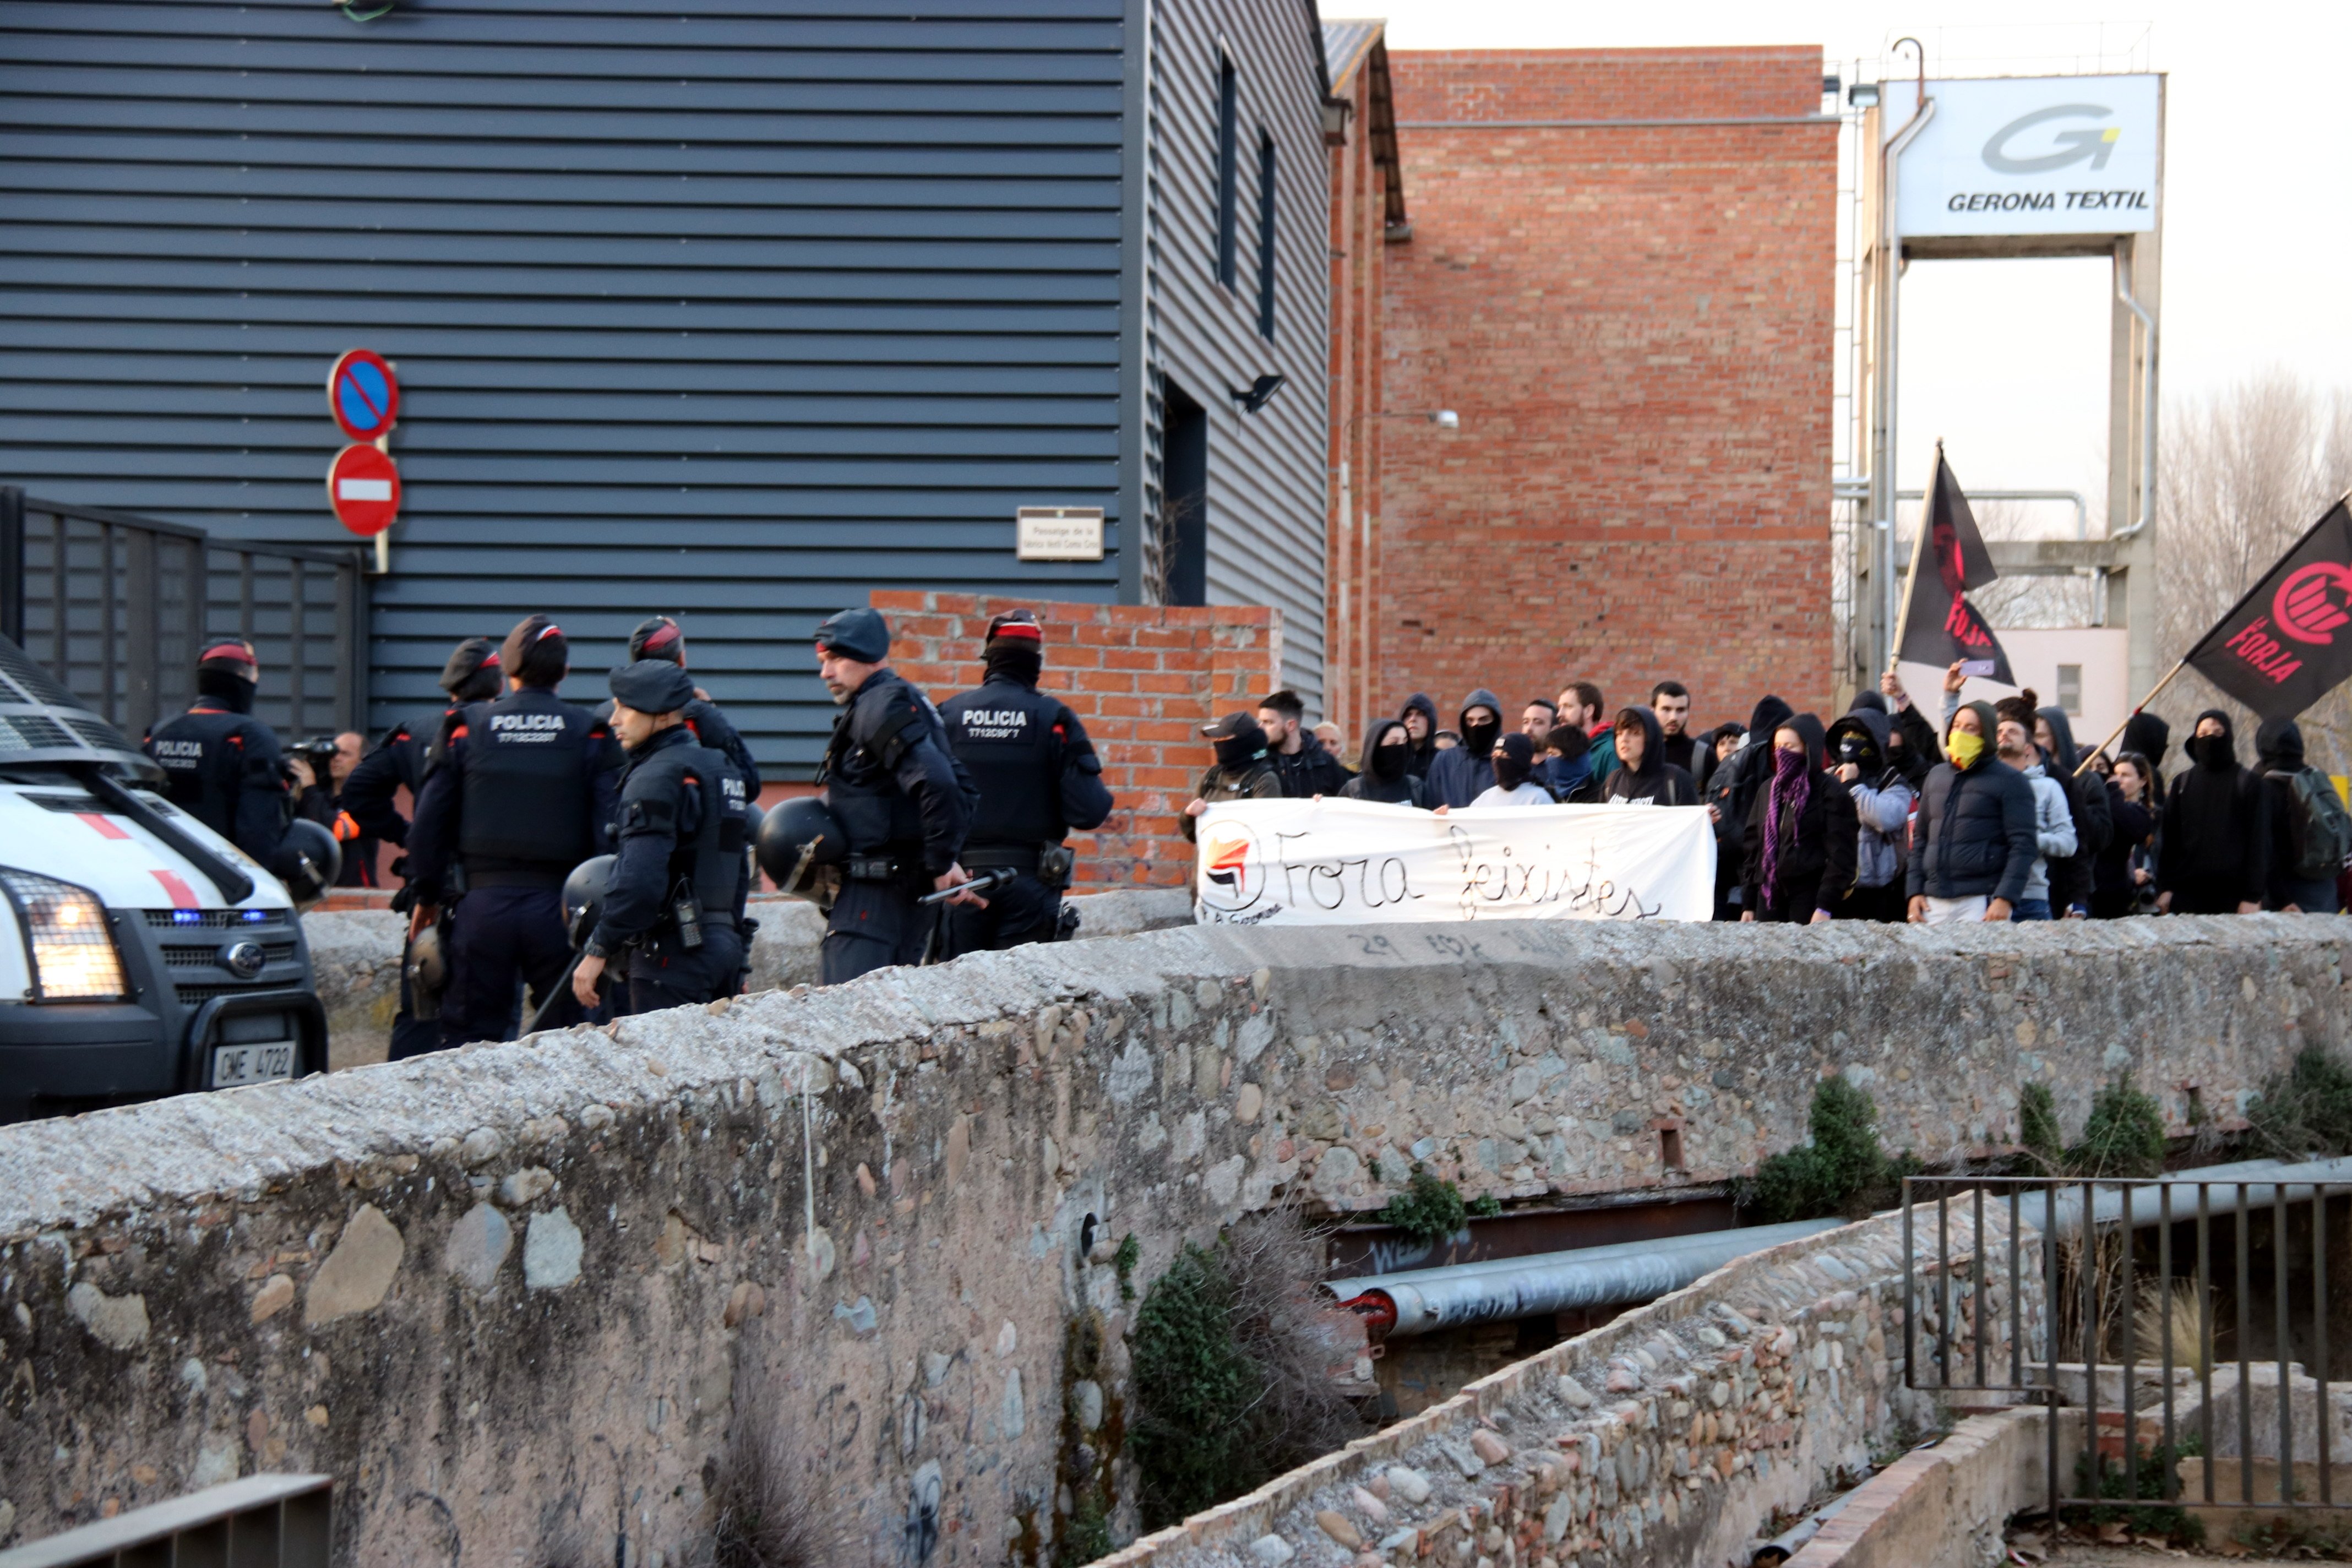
(2006, 360)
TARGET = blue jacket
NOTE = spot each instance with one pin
(1976, 833)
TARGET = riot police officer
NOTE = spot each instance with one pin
(674, 900)
(402, 758)
(525, 792)
(660, 638)
(1039, 777)
(903, 800)
(222, 765)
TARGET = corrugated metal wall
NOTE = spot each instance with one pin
(733, 313)
(1268, 471)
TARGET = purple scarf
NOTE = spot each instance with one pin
(1784, 800)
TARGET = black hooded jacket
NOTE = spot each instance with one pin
(2278, 757)
(1367, 785)
(1426, 747)
(1816, 858)
(1459, 775)
(2151, 737)
(2217, 829)
(1658, 781)
(1731, 787)
(1310, 771)
(2071, 879)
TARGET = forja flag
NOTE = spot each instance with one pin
(2288, 642)
(1349, 862)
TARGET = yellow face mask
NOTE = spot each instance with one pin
(1964, 748)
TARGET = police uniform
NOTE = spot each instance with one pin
(673, 902)
(525, 793)
(1039, 777)
(902, 799)
(660, 637)
(222, 765)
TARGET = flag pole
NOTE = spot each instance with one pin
(2135, 713)
(1918, 547)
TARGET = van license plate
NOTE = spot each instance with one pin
(235, 1066)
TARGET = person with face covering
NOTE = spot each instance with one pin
(2217, 829)
(1459, 775)
(1911, 737)
(1243, 772)
(1973, 844)
(1730, 793)
(1515, 761)
(1800, 833)
(1882, 795)
(1419, 719)
(2294, 888)
(1643, 776)
(1385, 773)
(221, 764)
(1566, 769)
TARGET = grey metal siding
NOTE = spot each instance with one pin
(732, 315)
(1268, 471)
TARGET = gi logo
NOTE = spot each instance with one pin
(2314, 602)
(243, 959)
(1233, 867)
(2095, 147)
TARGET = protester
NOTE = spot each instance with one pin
(1800, 838)
(1514, 763)
(1883, 797)
(1973, 845)
(2310, 833)
(1241, 771)
(1714, 746)
(1460, 776)
(1537, 719)
(1335, 743)
(1643, 775)
(2121, 871)
(2054, 822)
(1307, 770)
(1566, 769)
(2071, 878)
(1579, 704)
(1912, 735)
(1445, 741)
(1385, 773)
(1670, 701)
(2151, 737)
(2217, 829)
(1420, 721)
(1731, 791)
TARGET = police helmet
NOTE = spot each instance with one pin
(309, 861)
(800, 835)
(583, 897)
(428, 972)
(754, 817)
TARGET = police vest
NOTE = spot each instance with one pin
(1011, 741)
(204, 754)
(653, 800)
(869, 737)
(525, 801)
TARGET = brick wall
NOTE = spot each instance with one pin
(1143, 679)
(1636, 327)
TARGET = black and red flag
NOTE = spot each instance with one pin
(2288, 643)
(1949, 558)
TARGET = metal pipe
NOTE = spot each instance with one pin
(2241, 1185)
(1890, 251)
(2146, 400)
(1423, 1300)
(1859, 489)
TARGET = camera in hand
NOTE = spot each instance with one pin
(319, 753)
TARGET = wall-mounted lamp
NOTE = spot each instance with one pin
(1863, 95)
(1261, 393)
(1443, 418)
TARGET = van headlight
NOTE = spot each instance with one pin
(72, 952)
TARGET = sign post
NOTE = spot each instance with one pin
(362, 484)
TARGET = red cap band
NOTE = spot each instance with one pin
(230, 650)
(660, 637)
(547, 631)
(1024, 631)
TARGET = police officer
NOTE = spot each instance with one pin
(525, 792)
(402, 759)
(902, 799)
(1039, 777)
(660, 638)
(675, 898)
(222, 765)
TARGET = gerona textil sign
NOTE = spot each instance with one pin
(1346, 862)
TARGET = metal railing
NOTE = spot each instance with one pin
(2187, 1319)
(117, 605)
(268, 1522)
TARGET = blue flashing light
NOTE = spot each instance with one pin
(256, 917)
(186, 917)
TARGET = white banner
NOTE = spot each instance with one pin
(1348, 862)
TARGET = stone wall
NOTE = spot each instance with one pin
(516, 1298)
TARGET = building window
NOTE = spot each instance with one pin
(1228, 181)
(1264, 234)
(2070, 689)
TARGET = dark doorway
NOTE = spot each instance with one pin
(1184, 497)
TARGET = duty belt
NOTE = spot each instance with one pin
(1021, 858)
(874, 868)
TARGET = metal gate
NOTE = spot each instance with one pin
(117, 606)
(2188, 1319)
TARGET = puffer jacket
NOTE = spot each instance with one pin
(1976, 833)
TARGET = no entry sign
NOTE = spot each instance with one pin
(363, 395)
(363, 487)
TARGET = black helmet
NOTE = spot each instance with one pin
(754, 817)
(800, 835)
(309, 861)
(583, 897)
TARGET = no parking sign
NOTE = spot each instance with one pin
(363, 395)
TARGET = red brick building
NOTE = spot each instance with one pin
(1620, 273)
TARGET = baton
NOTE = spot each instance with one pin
(987, 881)
(562, 989)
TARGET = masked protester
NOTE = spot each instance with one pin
(1800, 834)
(1643, 775)
(1385, 773)
(1515, 761)
(1883, 797)
(1912, 737)
(2309, 825)
(1973, 847)
(1420, 721)
(1731, 792)
(1567, 766)
(1458, 776)
(2122, 872)
(1243, 770)
(2217, 830)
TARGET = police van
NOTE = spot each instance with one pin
(141, 953)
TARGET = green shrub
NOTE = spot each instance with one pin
(2123, 1137)
(1428, 1210)
(2306, 1109)
(1192, 1389)
(2038, 1130)
(1129, 1255)
(1485, 1205)
(1841, 1169)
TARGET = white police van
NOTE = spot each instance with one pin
(140, 954)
